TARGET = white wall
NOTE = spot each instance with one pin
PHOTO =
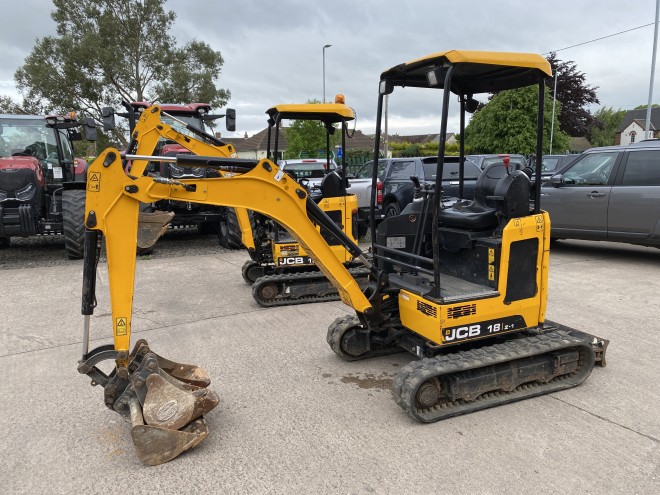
(626, 135)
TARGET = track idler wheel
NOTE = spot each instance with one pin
(165, 402)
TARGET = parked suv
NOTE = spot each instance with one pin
(397, 188)
(517, 161)
(608, 194)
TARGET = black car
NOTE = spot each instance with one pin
(397, 189)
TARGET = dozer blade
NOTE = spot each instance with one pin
(152, 225)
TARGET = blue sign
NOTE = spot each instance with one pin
(339, 152)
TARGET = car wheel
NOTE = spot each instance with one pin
(392, 210)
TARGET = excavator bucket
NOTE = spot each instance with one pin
(165, 402)
(188, 373)
(152, 225)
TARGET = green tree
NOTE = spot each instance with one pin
(507, 124)
(603, 131)
(9, 106)
(574, 94)
(106, 51)
(308, 137)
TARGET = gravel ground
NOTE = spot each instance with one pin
(39, 251)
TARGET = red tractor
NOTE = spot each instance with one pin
(42, 185)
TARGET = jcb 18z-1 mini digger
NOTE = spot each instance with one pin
(461, 285)
(280, 270)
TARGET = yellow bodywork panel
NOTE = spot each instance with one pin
(508, 59)
(112, 207)
(151, 129)
(291, 254)
(475, 318)
(473, 72)
(324, 112)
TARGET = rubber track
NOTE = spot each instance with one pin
(336, 331)
(359, 274)
(408, 380)
(73, 223)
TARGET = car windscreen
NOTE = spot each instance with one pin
(549, 163)
(28, 137)
(307, 169)
(366, 170)
(450, 170)
(514, 163)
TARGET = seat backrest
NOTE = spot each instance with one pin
(331, 185)
(487, 182)
(514, 190)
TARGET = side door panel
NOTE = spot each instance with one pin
(578, 208)
(634, 208)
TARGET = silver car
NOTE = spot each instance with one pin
(608, 194)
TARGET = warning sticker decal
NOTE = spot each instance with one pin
(94, 182)
(121, 326)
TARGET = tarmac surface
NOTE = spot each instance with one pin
(294, 418)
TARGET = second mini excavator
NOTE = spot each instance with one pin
(462, 287)
(280, 270)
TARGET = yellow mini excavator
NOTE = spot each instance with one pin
(279, 269)
(461, 285)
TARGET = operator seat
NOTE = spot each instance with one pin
(498, 195)
(331, 185)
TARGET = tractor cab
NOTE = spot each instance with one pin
(38, 176)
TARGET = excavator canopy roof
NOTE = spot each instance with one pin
(474, 71)
(328, 113)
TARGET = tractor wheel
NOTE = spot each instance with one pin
(4, 242)
(229, 234)
(73, 222)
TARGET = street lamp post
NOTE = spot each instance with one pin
(326, 46)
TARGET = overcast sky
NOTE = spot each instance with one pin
(273, 50)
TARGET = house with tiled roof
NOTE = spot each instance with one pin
(632, 126)
(255, 146)
(422, 138)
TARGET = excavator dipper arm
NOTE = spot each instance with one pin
(112, 207)
(144, 140)
(166, 401)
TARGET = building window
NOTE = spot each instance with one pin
(632, 136)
